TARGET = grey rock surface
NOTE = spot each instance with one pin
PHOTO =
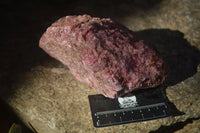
(46, 96)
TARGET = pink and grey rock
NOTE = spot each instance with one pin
(104, 54)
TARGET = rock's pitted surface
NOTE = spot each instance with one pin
(104, 54)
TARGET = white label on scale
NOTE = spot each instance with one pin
(127, 102)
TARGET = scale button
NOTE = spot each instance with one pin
(98, 123)
(137, 115)
(162, 107)
(114, 117)
(127, 116)
(157, 111)
(148, 113)
(102, 119)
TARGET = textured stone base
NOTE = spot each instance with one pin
(62, 105)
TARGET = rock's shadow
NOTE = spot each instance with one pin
(181, 58)
(174, 127)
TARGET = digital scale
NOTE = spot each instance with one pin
(141, 105)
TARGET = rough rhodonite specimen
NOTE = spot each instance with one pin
(104, 54)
